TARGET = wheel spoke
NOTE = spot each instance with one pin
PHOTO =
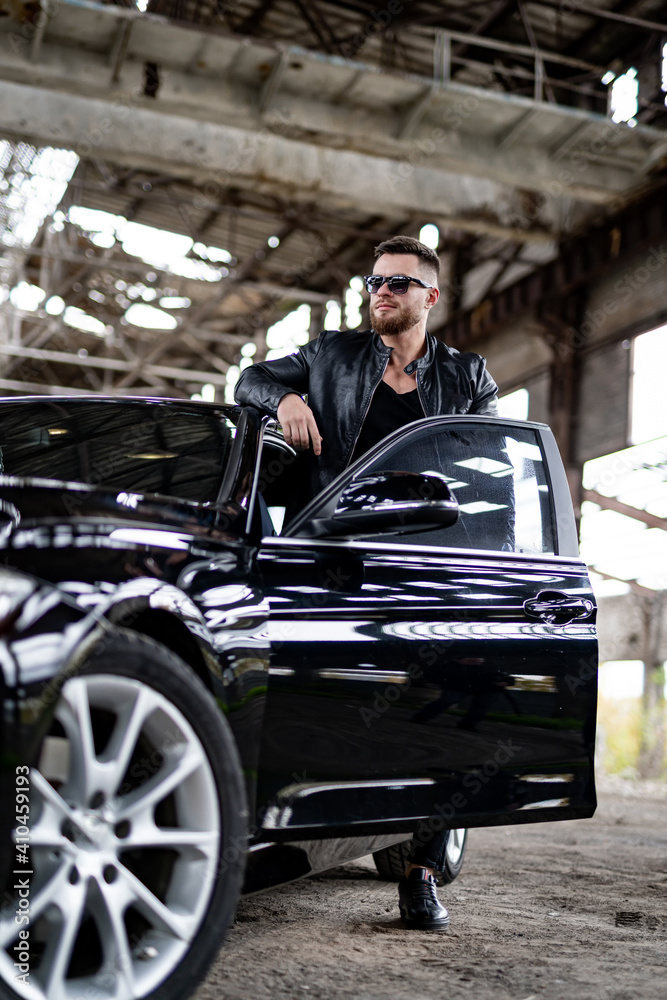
(124, 740)
(110, 862)
(47, 837)
(117, 956)
(49, 794)
(45, 833)
(74, 714)
(181, 926)
(455, 845)
(51, 893)
(58, 955)
(175, 771)
(146, 834)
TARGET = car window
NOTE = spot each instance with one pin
(498, 476)
(140, 448)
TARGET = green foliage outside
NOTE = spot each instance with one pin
(618, 736)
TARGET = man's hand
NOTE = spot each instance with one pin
(298, 423)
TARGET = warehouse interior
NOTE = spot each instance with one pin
(190, 185)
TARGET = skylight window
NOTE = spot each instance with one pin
(158, 247)
(625, 97)
(150, 318)
(32, 182)
(26, 297)
(80, 320)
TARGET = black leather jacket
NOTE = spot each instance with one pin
(340, 371)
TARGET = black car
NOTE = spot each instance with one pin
(196, 706)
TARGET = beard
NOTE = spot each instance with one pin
(398, 321)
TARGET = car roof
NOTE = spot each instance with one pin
(145, 400)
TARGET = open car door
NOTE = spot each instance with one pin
(447, 672)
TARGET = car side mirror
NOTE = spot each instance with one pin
(394, 502)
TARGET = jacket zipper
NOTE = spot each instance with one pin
(419, 393)
(370, 400)
(419, 386)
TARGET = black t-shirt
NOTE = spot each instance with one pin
(388, 411)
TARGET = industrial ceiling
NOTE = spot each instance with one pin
(284, 139)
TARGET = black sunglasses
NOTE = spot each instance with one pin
(398, 283)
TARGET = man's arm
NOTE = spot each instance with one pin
(485, 393)
(275, 387)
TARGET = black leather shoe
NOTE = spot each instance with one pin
(419, 904)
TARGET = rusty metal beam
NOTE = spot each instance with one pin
(611, 503)
(601, 14)
(312, 17)
(635, 587)
(51, 389)
(112, 364)
(254, 20)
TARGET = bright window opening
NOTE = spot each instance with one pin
(649, 403)
(353, 303)
(430, 235)
(621, 679)
(624, 97)
(514, 405)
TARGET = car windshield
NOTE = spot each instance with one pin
(159, 448)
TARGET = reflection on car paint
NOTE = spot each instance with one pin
(389, 676)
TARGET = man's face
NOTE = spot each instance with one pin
(394, 314)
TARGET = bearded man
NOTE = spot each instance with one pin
(361, 386)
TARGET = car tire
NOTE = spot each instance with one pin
(391, 861)
(138, 828)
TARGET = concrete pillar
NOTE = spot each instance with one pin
(652, 735)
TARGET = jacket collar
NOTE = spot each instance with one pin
(379, 345)
(426, 359)
(420, 363)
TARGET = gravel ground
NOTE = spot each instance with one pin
(550, 911)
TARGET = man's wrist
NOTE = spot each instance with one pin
(290, 392)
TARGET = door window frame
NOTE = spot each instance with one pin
(566, 542)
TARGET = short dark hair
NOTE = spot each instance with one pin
(408, 244)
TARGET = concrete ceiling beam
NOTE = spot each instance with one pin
(218, 156)
(453, 129)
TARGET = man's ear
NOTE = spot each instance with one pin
(432, 297)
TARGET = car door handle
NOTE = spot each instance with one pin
(555, 608)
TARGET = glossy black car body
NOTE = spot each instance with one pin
(374, 676)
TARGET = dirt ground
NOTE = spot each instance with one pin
(555, 911)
